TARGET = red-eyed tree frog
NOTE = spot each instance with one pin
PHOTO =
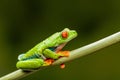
(47, 51)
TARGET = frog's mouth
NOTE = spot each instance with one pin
(58, 48)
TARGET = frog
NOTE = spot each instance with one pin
(47, 51)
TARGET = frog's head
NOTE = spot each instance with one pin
(65, 36)
(62, 37)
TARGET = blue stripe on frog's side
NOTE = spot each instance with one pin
(52, 48)
(31, 57)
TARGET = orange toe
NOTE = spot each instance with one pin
(64, 53)
(49, 61)
(62, 66)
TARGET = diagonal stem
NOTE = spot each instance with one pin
(77, 53)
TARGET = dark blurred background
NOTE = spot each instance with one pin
(24, 23)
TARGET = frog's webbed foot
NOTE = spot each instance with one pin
(48, 62)
(62, 66)
(64, 53)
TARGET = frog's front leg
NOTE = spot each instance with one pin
(50, 54)
(30, 64)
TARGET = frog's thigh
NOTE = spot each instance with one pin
(30, 64)
(50, 54)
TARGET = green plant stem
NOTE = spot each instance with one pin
(77, 53)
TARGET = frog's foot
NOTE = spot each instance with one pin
(62, 66)
(48, 62)
(64, 53)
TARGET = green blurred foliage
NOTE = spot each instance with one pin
(24, 23)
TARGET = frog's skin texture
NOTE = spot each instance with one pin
(45, 52)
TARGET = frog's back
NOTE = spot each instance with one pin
(38, 49)
(34, 51)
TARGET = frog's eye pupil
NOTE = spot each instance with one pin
(64, 34)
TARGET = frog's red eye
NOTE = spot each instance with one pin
(64, 34)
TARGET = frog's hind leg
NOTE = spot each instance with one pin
(30, 64)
